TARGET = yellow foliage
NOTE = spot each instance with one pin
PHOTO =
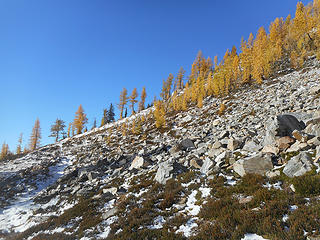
(159, 114)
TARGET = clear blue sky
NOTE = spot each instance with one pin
(57, 54)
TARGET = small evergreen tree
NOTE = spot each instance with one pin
(94, 125)
(111, 113)
(57, 128)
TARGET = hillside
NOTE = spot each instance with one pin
(250, 171)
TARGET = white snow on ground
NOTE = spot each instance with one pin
(157, 223)
(18, 216)
(188, 227)
(251, 236)
(293, 207)
(106, 227)
(276, 185)
(285, 218)
(205, 191)
(192, 208)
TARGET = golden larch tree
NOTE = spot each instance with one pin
(80, 120)
(19, 146)
(35, 136)
(123, 101)
(133, 100)
(143, 99)
(4, 150)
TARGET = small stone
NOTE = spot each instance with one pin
(284, 142)
(223, 134)
(244, 200)
(196, 163)
(270, 149)
(297, 135)
(112, 190)
(216, 122)
(216, 145)
(206, 166)
(138, 162)
(233, 144)
(271, 174)
(251, 146)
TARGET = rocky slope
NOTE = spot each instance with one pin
(252, 170)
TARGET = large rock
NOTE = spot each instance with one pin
(187, 144)
(206, 166)
(251, 146)
(298, 165)
(139, 162)
(287, 124)
(313, 129)
(167, 170)
(282, 125)
(258, 164)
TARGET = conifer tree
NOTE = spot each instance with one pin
(69, 130)
(57, 128)
(94, 125)
(35, 136)
(111, 113)
(80, 120)
(178, 84)
(133, 100)
(166, 88)
(4, 151)
(143, 99)
(159, 114)
(261, 66)
(246, 58)
(123, 101)
(104, 119)
(19, 146)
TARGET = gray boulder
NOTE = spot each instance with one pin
(258, 164)
(167, 170)
(298, 165)
(187, 144)
(282, 125)
(206, 166)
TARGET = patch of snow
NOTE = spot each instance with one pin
(157, 223)
(251, 236)
(192, 208)
(276, 185)
(188, 227)
(293, 207)
(285, 218)
(18, 216)
(205, 191)
(106, 226)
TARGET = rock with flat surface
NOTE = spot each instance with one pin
(167, 170)
(251, 146)
(187, 144)
(270, 149)
(257, 164)
(206, 166)
(298, 165)
(139, 162)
